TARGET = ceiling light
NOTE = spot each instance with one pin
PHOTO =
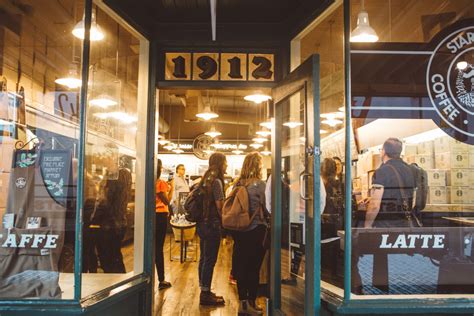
(293, 124)
(303, 139)
(332, 115)
(207, 114)
(208, 151)
(257, 98)
(263, 132)
(331, 122)
(363, 32)
(178, 151)
(163, 142)
(103, 101)
(237, 152)
(170, 146)
(259, 139)
(256, 145)
(242, 146)
(96, 33)
(72, 80)
(213, 132)
(267, 124)
(266, 152)
(160, 136)
(462, 65)
(342, 109)
(323, 131)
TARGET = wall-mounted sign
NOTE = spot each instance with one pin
(219, 66)
(432, 80)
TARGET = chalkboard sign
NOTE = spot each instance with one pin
(56, 171)
(181, 200)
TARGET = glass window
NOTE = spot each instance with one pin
(411, 103)
(326, 39)
(115, 154)
(40, 62)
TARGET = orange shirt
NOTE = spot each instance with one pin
(160, 186)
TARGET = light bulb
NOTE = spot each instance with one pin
(461, 65)
(256, 145)
(266, 152)
(213, 132)
(363, 33)
(103, 101)
(207, 114)
(263, 133)
(331, 122)
(257, 98)
(267, 124)
(259, 140)
(72, 80)
(96, 33)
(292, 124)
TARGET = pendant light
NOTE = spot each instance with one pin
(292, 123)
(256, 145)
(363, 32)
(103, 101)
(207, 113)
(213, 132)
(238, 150)
(260, 139)
(263, 132)
(257, 98)
(266, 152)
(178, 151)
(96, 33)
(72, 80)
(170, 146)
(332, 119)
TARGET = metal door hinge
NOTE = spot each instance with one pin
(313, 151)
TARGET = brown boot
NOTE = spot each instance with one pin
(210, 299)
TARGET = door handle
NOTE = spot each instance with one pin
(303, 178)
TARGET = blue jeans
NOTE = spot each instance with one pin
(210, 240)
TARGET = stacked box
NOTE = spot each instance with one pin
(7, 147)
(410, 150)
(449, 144)
(436, 177)
(459, 195)
(438, 195)
(459, 177)
(425, 148)
(449, 160)
(425, 161)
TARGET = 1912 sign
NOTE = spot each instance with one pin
(219, 67)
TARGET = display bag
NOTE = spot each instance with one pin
(32, 234)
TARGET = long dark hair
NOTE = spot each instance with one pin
(117, 193)
(159, 165)
(328, 172)
(215, 171)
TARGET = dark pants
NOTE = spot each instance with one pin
(249, 253)
(161, 223)
(210, 240)
(109, 244)
(89, 257)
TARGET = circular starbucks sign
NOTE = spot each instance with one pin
(450, 83)
(201, 144)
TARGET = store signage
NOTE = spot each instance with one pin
(450, 81)
(45, 241)
(412, 241)
(56, 172)
(210, 66)
(66, 105)
(419, 81)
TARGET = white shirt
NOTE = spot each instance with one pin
(180, 185)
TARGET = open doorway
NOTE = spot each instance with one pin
(193, 124)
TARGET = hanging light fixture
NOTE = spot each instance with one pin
(178, 151)
(237, 152)
(170, 146)
(267, 124)
(257, 98)
(256, 145)
(208, 151)
(342, 109)
(263, 132)
(213, 132)
(163, 141)
(363, 32)
(260, 140)
(332, 119)
(292, 123)
(103, 101)
(207, 114)
(96, 33)
(72, 80)
(266, 152)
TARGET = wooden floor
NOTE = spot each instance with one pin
(183, 297)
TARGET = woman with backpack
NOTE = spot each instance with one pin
(249, 249)
(209, 227)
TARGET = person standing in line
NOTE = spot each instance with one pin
(180, 185)
(209, 229)
(162, 201)
(249, 250)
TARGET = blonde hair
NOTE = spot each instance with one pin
(251, 168)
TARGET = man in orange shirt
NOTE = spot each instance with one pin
(162, 199)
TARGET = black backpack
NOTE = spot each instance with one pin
(421, 184)
(194, 204)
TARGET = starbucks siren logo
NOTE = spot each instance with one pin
(450, 82)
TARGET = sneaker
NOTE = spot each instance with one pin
(232, 280)
(164, 285)
(211, 299)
